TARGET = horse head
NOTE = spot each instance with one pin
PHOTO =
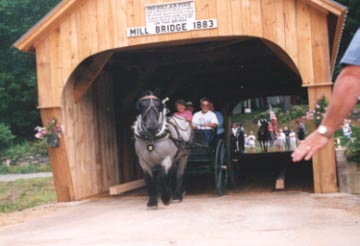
(151, 109)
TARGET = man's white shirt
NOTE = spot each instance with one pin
(200, 119)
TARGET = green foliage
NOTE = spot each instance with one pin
(26, 193)
(18, 94)
(353, 150)
(345, 141)
(24, 149)
(319, 111)
(283, 117)
(25, 169)
(6, 137)
(298, 111)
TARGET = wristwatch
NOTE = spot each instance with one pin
(322, 130)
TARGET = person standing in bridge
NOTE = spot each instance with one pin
(344, 97)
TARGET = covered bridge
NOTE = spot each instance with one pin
(94, 57)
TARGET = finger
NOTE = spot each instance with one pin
(298, 154)
(310, 154)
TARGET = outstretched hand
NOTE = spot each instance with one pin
(309, 146)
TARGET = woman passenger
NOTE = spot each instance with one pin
(180, 106)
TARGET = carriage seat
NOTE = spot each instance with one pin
(203, 138)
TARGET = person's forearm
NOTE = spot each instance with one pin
(211, 125)
(344, 97)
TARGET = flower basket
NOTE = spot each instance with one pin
(51, 134)
(53, 140)
(317, 114)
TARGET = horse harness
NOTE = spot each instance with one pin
(165, 134)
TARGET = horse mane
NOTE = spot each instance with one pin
(156, 93)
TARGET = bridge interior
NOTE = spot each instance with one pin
(227, 70)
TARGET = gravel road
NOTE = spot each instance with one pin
(12, 177)
(273, 218)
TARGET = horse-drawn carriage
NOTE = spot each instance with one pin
(163, 145)
(211, 158)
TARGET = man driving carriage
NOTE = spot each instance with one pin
(204, 122)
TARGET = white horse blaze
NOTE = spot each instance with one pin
(167, 163)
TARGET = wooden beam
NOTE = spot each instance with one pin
(319, 84)
(337, 38)
(280, 181)
(327, 6)
(282, 56)
(90, 74)
(59, 161)
(51, 20)
(122, 188)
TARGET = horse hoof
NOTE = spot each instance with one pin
(154, 207)
(176, 200)
(166, 199)
(152, 204)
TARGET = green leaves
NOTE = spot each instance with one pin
(18, 93)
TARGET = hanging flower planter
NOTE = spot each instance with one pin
(317, 114)
(53, 140)
(51, 134)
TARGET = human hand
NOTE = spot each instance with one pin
(309, 146)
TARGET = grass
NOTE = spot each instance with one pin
(26, 193)
(25, 169)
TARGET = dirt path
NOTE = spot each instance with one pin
(12, 177)
(278, 218)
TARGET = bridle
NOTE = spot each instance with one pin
(140, 133)
(151, 104)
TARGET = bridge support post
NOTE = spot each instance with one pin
(324, 161)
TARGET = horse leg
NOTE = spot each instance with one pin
(179, 179)
(172, 178)
(265, 146)
(166, 165)
(164, 186)
(151, 187)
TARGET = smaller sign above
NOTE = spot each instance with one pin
(170, 13)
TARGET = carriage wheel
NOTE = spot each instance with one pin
(221, 167)
(232, 171)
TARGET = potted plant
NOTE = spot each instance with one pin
(348, 164)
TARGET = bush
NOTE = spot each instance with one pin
(6, 137)
(353, 150)
(295, 112)
(298, 111)
(25, 169)
(26, 148)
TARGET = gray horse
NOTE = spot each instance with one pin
(160, 147)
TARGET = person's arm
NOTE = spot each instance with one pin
(343, 100)
(213, 121)
(194, 122)
(212, 125)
